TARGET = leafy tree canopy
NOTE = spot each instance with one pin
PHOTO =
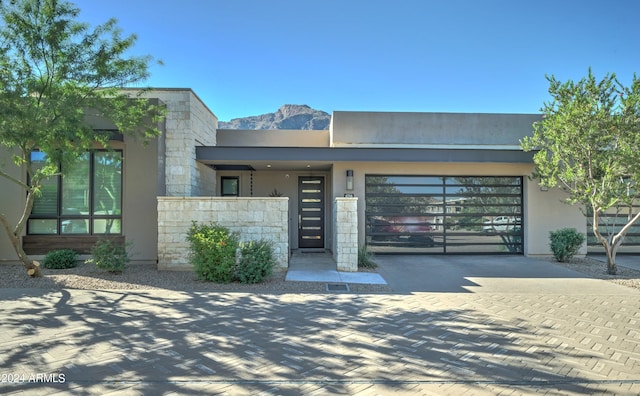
(588, 144)
(55, 72)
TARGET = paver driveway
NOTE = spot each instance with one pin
(168, 342)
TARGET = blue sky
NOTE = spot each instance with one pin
(249, 57)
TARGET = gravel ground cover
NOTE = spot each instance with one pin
(598, 269)
(146, 276)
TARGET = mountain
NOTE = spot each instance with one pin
(287, 117)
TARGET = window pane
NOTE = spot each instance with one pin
(75, 188)
(75, 226)
(107, 226)
(47, 202)
(40, 226)
(230, 186)
(107, 183)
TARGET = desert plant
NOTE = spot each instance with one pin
(365, 258)
(109, 255)
(565, 243)
(60, 259)
(256, 261)
(212, 252)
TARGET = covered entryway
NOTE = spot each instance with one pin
(311, 212)
(444, 214)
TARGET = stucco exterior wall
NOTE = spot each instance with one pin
(544, 212)
(269, 138)
(252, 218)
(140, 188)
(429, 129)
(11, 201)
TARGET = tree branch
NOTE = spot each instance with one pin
(15, 180)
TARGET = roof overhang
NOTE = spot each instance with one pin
(323, 157)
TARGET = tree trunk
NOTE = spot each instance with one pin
(32, 267)
(610, 250)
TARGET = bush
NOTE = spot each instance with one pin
(60, 259)
(365, 258)
(212, 252)
(565, 243)
(110, 256)
(256, 262)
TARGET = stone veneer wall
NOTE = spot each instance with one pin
(253, 218)
(189, 123)
(345, 241)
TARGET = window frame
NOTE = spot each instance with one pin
(91, 217)
(222, 185)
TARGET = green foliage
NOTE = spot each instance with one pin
(54, 72)
(110, 256)
(588, 141)
(588, 144)
(256, 262)
(60, 259)
(365, 258)
(213, 252)
(565, 243)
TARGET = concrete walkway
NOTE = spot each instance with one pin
(491, 336)
(320, 267)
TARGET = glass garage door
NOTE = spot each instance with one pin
(444, 214)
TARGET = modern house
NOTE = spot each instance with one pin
(426, 183)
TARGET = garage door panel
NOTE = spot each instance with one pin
(452, 215)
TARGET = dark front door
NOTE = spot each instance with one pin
(311, 212)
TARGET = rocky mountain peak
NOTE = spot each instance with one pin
(288, 116)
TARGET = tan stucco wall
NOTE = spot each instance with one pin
(11, 201)
(429, 129)
(269, 138)
(139, 212)
(544, 212)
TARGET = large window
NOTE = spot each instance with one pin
(87, 200)
(444, 214)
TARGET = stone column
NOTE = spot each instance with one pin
(345, 241)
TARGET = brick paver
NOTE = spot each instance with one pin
(167, 342)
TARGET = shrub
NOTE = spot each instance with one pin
(212, 252)
(110, 256)
(256, 261)
(565, 243)
(60, 259)
(365, 258)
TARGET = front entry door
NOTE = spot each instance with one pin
(311, 212)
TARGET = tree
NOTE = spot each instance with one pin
(54, 72)
(588, 144)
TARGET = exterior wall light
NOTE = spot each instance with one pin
(349, 180)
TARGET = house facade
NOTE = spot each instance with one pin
(409, 183)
